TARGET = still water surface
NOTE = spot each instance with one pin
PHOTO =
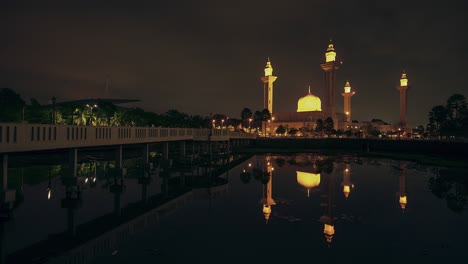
(272, 208)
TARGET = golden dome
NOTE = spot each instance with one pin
(310, 102)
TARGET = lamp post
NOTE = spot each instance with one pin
(250, 120)
(213, 122)
(399, 131)
(54, 120)
(222, 123)
(91, 116)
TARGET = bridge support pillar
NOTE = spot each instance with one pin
(118, 157)
(4, 172)
(73, 160)
(165, 150)
(182, 149)
(146, 148)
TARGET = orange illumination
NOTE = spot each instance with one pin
(310, 102)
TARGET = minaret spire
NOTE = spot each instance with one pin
(347, 94)
(330, 66)
(268, 81)
(309, 89)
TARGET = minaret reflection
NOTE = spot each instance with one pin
(72, 200)
(347, 184)
(328, 219)
(402, 188)
(267, 179)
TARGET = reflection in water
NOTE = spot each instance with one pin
(308, 180)
(402, 189)
(328, 218)
(267, 199)
(347, 184)
(451, 185)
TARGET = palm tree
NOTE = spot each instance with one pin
(246, 114)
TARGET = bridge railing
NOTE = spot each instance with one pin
(17, 137)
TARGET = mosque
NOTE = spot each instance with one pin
(310, 108)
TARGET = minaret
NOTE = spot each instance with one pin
(347, 180)
(267, 199)
(268, 81)
(402, 186)
(403, 102)
(347, 101)
(330, 66)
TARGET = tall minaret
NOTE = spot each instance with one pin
(347, 101)
(268, 81)
(267, 199)
(330, 66)
(403, 102)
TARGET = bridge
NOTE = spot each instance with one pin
(18, 137)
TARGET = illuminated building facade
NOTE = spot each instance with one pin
(330, 66)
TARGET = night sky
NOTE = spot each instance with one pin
(204, 57)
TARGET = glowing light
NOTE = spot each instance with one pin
(346, 190)
(329, 231)
(268, 68)
(272, 169)
(310, 102)
(330, 55)
(347, 88)
(94, 179)
(346, 170)
(403, 80)
(308, 180)
(86, 180)
(250, 164)
(403, 202)
(49, 193)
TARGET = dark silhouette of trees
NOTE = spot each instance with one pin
(11, 106)
(246, 114)
(280, 130)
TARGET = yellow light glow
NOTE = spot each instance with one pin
(346, 190)
(403, 202)
(403, 80)
(49, 194)
(347, 88)
(330, 55)
(307, 179)
(266, 211)
(310, 102)
(268, 69)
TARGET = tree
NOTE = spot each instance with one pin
(246, 114)
(329, 126)
(38, 114)
(319, 126)
(456, 106)
(280, 130)
(106, 110)
(292, 131)
(11, 106)
(438, 119)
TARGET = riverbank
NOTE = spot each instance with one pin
(433, 153)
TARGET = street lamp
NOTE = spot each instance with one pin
(54, 119)
(91, 107)
(213, 122)
(222, 123)
(250, 120)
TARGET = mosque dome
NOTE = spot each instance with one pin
(310, 102)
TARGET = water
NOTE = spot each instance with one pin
(273, 208)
